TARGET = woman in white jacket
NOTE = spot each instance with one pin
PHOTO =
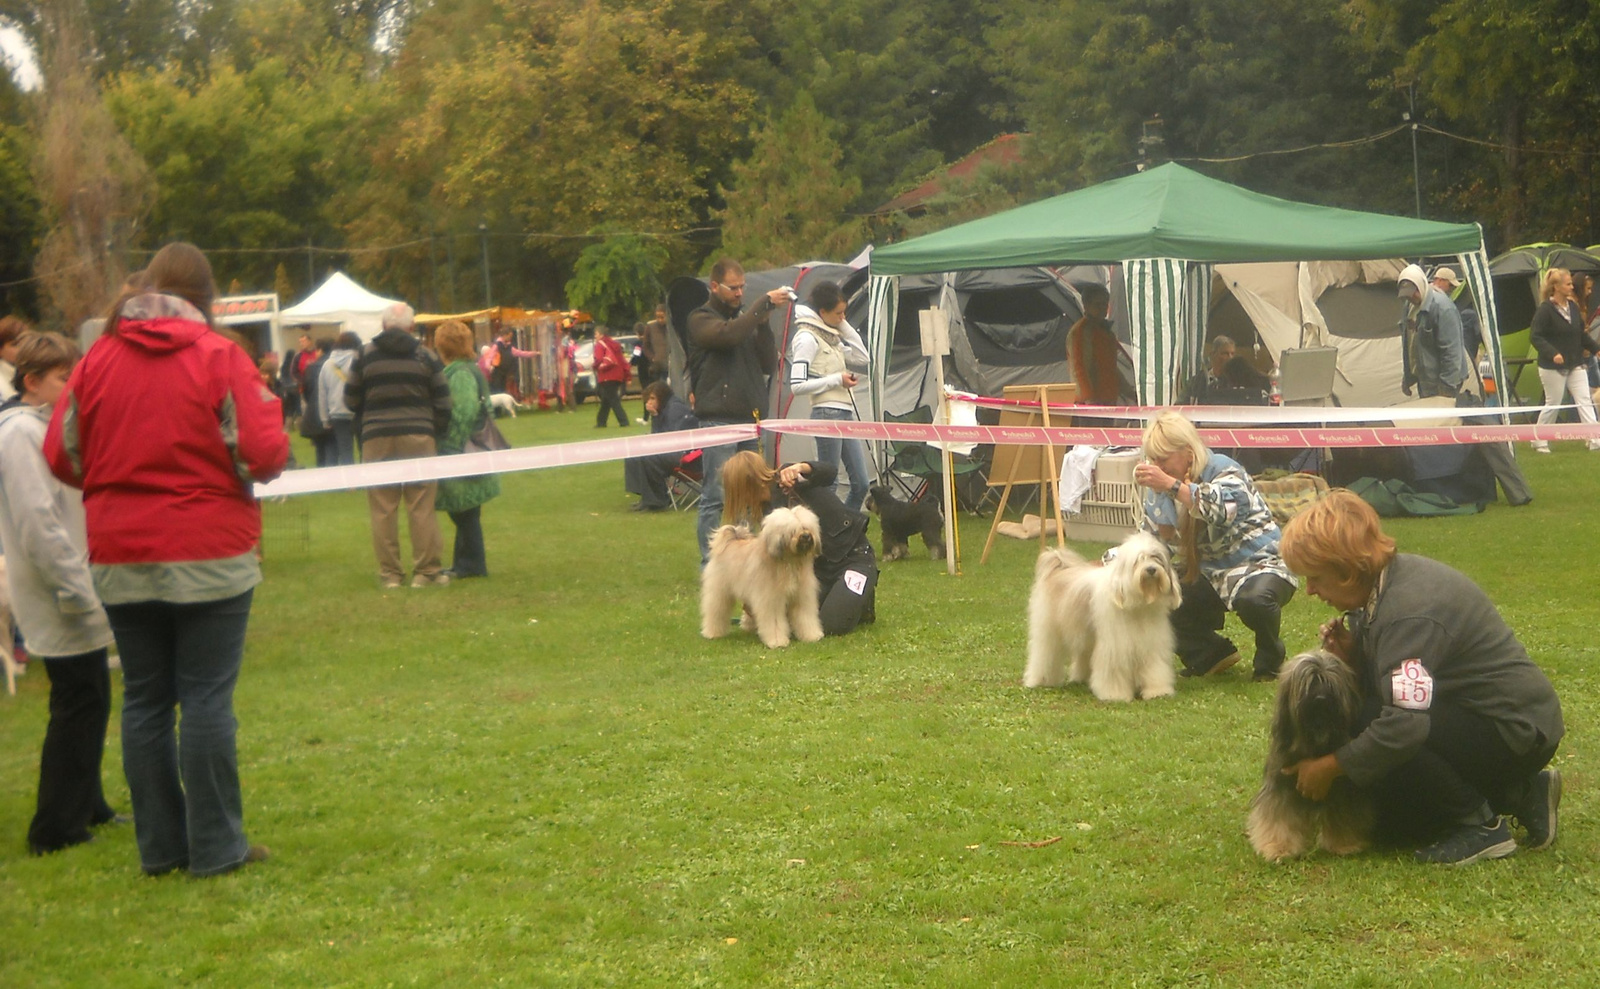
(330, 397)
(826, 360)
(53, 599)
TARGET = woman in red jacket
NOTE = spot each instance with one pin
(164, 425)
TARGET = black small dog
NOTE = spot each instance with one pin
(900, 521)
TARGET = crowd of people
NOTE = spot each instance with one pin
(98, 554)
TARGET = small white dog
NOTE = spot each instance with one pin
(503, 404)
(770, 572)
(1109, 619)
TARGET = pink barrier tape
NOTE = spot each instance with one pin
(1264, 438)
(1255, 415)
(426, 469)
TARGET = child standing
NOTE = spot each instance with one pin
(53, 598)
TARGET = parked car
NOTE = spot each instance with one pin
(584, 381)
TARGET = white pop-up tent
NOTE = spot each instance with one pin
(339, 300)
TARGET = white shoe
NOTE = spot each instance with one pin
(1541, 448)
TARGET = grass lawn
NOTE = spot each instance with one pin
(546, 778)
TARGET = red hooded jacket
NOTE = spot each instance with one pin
(164, 425)
(609, 362)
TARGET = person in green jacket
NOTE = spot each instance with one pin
(462, 498)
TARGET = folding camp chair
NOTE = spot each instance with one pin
(915, 466)
(683, 484)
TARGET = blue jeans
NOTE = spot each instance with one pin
(712, 460)
(187, 810)
(469, 559)
(829, 449)
(344, 442)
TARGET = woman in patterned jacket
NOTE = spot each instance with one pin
(1224, 541)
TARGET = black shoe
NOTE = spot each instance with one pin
(1537, 810)
(34, 848)
(1469, 843)
(1264, 676)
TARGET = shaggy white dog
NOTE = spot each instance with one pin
(770, 572)
(1109, 620)
(503, 404)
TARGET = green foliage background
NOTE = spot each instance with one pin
(378, 135)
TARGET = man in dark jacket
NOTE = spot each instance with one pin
(731, 353)
(398, 393)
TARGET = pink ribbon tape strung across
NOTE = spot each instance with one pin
(427, 469)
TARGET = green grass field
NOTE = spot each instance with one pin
(547, 778)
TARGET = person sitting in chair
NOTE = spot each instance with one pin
(647, 476)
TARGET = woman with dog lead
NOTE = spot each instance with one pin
(824, 360)
(1457, 724)
(1207, 510)
(845, 566)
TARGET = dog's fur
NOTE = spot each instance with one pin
(900, 521)
(1110, 622)
(770, 572)
(1319, 698)
(503, 404)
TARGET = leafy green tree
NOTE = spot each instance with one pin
(245, 161)
(618, 279)
(1225, 77)
(1520, 75)
(789, 199)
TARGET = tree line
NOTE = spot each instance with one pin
(413, 142)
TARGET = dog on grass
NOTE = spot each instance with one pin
(503, 404)
(900, 521)
(1319, 698)
(770, 572)
(1108, 621)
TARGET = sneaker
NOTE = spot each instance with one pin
(1541, 449)
(1537, 813)
(392, 584)
(1469, 843)
(440, 579)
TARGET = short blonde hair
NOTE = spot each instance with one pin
(453, 340)
(1169, 433)
(1340, 536)
(1551, 277)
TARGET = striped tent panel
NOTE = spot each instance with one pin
(1196, 310)
(883, 310)
(1154, 294)
(1475, 271)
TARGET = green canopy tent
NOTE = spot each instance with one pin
(1166, 227)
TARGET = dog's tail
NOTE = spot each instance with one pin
(1055, 560)
(728, 534)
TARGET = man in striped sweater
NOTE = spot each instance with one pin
(398, 393)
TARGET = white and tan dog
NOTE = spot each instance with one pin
(770, 572)
(504, 404)
(1110, 620)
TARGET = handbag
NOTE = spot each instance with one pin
(485, 436)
